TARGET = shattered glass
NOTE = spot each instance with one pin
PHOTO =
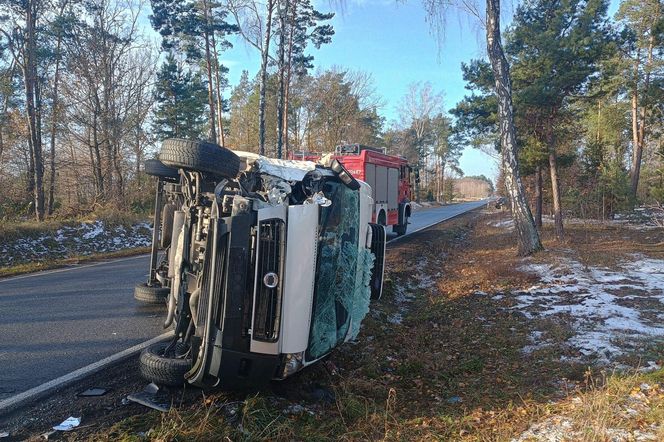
(343, 272)
(362, 296)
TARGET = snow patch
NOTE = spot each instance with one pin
(508, 223)
(609, 310)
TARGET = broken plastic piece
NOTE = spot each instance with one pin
(68, 424)
(148, 398)
(3, 434)
(318, 198)
(151, 388)
(92, 392)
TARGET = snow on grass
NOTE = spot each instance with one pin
(609, 310)
(404, 292)
(632, 222)
(507, 223)
(75, 240)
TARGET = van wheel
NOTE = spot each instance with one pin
(200, 156)
(160, 170)
(162, 369)
(151, 294)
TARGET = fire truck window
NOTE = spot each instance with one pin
(342, 283)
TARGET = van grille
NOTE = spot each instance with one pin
(267, 310)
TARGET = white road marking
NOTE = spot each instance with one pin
(43, 389)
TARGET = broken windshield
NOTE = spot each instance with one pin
(336, 269)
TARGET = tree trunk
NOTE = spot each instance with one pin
(528, 240)
(289, 61)
(555, 195)
(208, 65)
(220, 103)
(442, 182)
(639, 118)
(283, 13)
(54, 127)
(538, 197)
(33, 108)
(263, 79)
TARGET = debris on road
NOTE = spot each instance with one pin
(148, 398)
(93, 392)
(3, 434)
(68, 424)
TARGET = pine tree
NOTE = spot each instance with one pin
(180, 102)
(555, 47)
(642, 45)
(198, 30)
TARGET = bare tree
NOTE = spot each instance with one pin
(416, 111)
(22, 43)
(55, 105)
(108, 72)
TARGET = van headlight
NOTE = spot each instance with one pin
(292, 363)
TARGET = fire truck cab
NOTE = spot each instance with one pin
(388, 175)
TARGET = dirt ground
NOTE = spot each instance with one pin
(469, 342)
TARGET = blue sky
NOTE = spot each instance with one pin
(393, 42)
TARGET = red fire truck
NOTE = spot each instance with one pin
(388, 175)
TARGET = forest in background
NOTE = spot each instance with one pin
(86, 96)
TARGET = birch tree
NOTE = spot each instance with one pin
(528, 240)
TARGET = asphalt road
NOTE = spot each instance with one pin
(52, 323)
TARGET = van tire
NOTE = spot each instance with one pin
(151, 294)
(160, 170)
(200, 156)
(163, 370)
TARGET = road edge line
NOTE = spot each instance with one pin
(16, 401)
(432, 224)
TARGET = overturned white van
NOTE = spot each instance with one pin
(268, 265)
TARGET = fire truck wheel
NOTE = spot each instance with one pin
(160, 170)
(200, 156)
(151, 294)
(400, 229)
(163, 369)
